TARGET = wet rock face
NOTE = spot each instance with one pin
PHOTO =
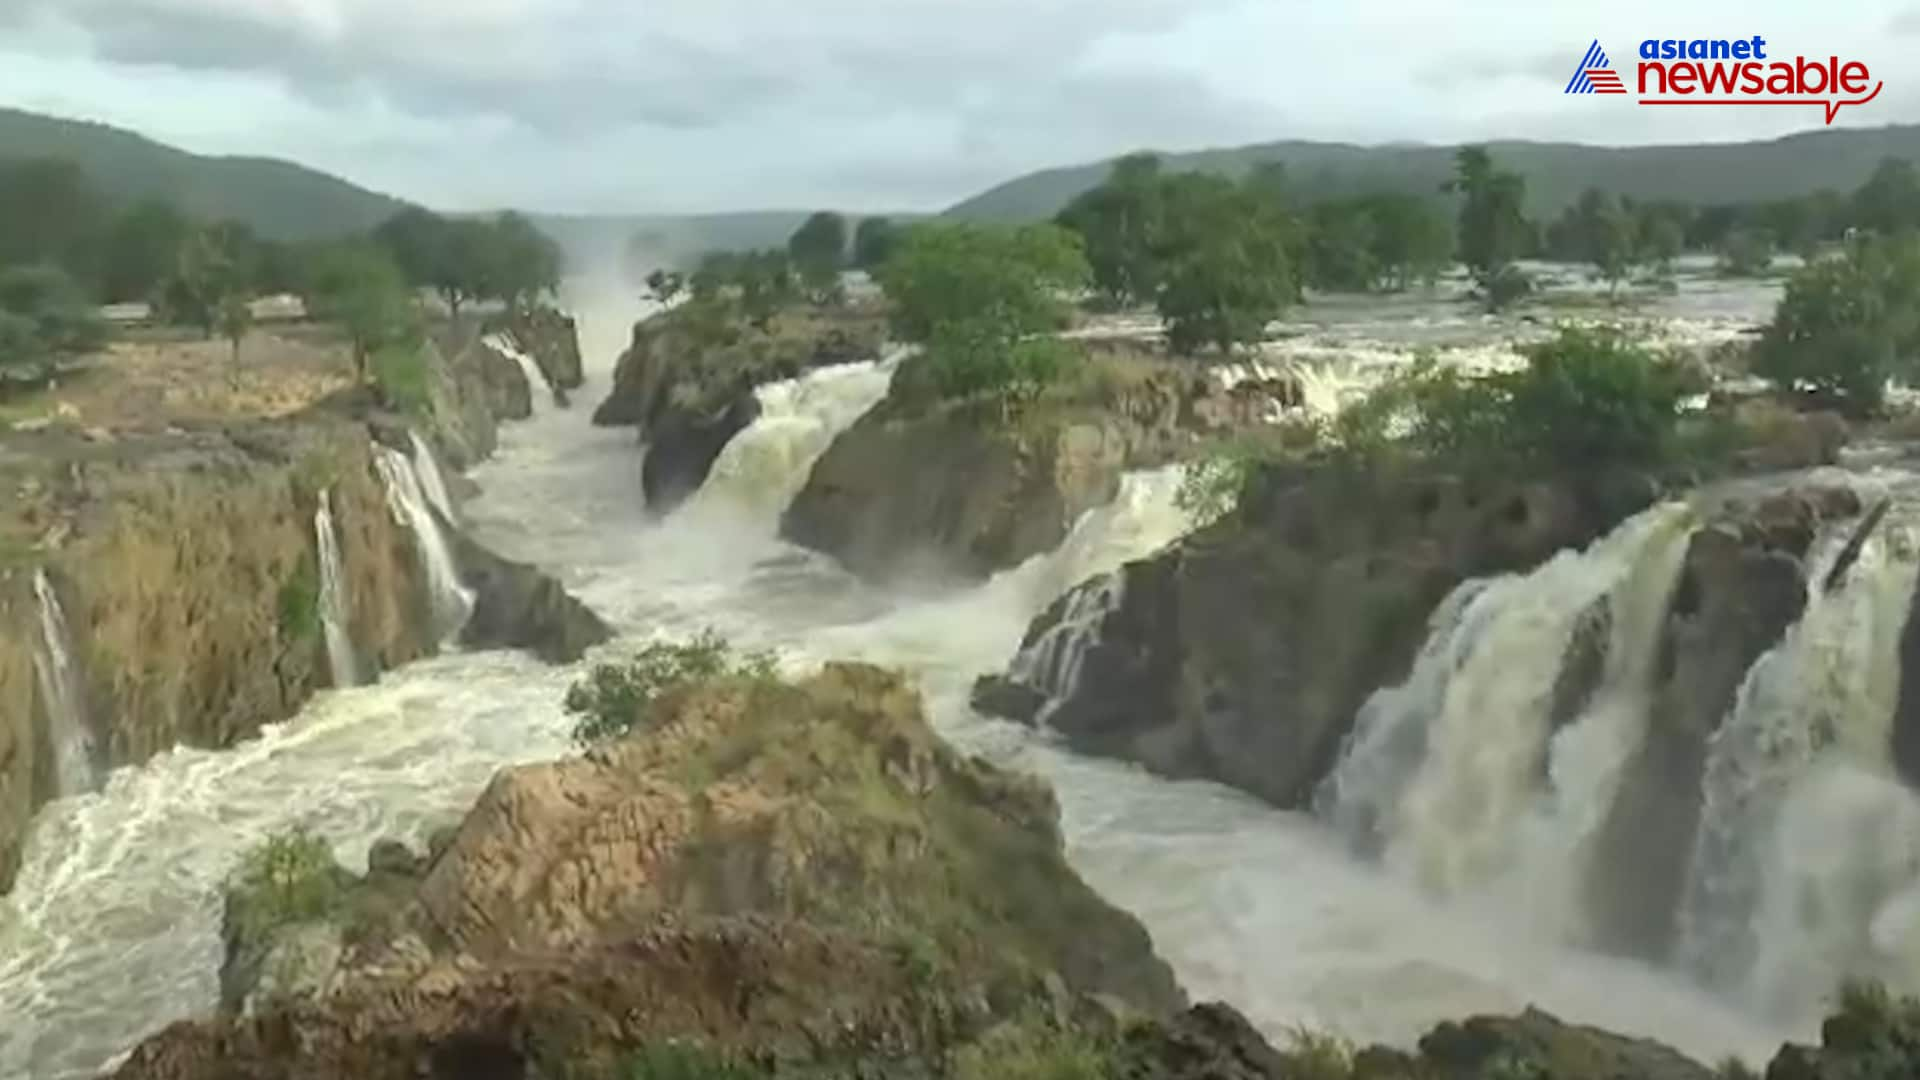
(684, 447)
(552, 339)
(1743, 582)
(1537, 1043)
(517, 606)
(689, 391)
(1243, 653)
(920, 488)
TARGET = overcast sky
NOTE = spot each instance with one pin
(681, 105)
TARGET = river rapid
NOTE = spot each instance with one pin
(113, 928)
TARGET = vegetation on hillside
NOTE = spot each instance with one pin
(43, 317)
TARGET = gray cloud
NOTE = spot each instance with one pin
(602, 105)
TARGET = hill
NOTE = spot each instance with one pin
(279, 199)
(1556, 172)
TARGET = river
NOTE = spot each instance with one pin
(113, 928)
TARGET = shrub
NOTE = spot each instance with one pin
(299, 603)
(401, 376)
(1845, 326)
(1315, 1055)
(613, 698)
(291, 878)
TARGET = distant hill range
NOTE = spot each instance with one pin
(279, 199)
(1556, 172)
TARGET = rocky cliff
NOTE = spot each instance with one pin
(552, 339)
(687, 381)
(179, 552)
(920, 488)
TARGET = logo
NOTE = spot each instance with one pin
(1595, 75)
(1723, 71)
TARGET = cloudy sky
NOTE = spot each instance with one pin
(684, 105)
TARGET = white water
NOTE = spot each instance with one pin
(1443, 771)
(432, 481)
(536, 379)
(112, 929)
(335, 615)
(60, 691)
(1807, 863)
(760, 471)
(452, 601)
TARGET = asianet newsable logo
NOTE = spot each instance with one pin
(1722, 71)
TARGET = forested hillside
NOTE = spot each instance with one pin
(1556, 173)
(277, 199)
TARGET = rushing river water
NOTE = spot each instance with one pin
(113, 928)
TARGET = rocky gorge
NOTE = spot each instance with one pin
(839, 868)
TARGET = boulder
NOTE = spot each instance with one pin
(517, 606)
(1242, 653)
(1536, 1043)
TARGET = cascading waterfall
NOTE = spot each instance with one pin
(1053, 662)
(432, 481)
(536, 379)
(452, 601)
(67, 728)
(1440, 773)
(1806, 865)
(763, 467)
(335, 614)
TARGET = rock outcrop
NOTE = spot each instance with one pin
(924, 489)
(687, 383)
(552, 339)
(789, 872)
(183, 554)
(1243, 652)
(517, 606)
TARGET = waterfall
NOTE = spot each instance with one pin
(763, 467)
(1807, 858)
(432, 481)
(1053, 661)
(452, 601)
(335, 615)
(1442, 772)
(536, 379)
(67, 726)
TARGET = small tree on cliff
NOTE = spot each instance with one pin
(359, 287)
(1225, 269)
(979, 297)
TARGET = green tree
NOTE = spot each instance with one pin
(979, 297)
(1846, 325)
(1413, 241)
(1745, 252)
(1120, 225)
(817, 251)
(358, 286)
(1889, 201)
(44, 315)
(522, 264)
(417, 242)
(1226, 270)
(143, 251)
(665, 285)
(1493, 229)
(1342, 243)
(873, 242)
(211, 266)
(767, 284)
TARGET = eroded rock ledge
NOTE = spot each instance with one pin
(687, 383)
